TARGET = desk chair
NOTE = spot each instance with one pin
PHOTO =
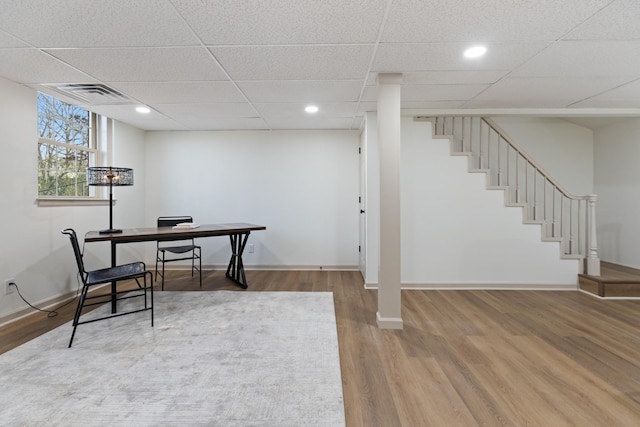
(135, 270)
(179, 248)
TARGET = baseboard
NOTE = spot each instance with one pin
(591, 294)
(218, 267)
(480, 286)
(389, 322)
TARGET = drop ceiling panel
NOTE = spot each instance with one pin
(432, 104)
(430, 92)
(546, 92)
(33, 66)
(184, 112)
(127, 114)
(181, 92)
(295, 62)
(449, 56)
(584, 59)
(226, 123)
(624, 96)
(310, 123)
(447, 77)
(271, 110)
(422, 21)
(223, 22)
(144, 64)
(618, 21)
(107, 23)
(302, 91)
(6, 40)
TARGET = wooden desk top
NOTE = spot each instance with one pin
(147, 234)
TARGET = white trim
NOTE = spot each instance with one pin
(481, 287)
(532, 112)
(388, 322)
(217, 267)
(608, 298)
(72, 201)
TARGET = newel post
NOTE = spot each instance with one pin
(592, 262)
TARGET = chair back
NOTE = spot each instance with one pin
(76, 249)
(171, 221)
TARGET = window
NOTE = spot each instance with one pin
(66, 147)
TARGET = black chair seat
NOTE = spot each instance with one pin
(178, 249)
(113, 274)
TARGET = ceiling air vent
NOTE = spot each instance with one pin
(91, 93)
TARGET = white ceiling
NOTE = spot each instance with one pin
(255, 64)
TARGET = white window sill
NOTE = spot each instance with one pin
(72, 201)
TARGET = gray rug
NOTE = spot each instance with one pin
(213, 358)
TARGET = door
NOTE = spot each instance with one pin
(362, 204)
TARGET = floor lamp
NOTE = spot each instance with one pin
(109, 176)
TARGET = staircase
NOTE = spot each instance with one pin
(563, 217)
(615, 281)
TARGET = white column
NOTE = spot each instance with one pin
(389, 294)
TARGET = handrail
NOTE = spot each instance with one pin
(530, 159)
(565, 217)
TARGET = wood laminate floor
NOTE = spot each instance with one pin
(464, 358)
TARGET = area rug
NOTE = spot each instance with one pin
(213, 358)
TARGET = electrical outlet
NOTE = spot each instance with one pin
(250, 248)
(9, 287)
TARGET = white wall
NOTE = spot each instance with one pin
(617, 184)
(33, 251)
(456, 233)
(301, 185)
(563, 149)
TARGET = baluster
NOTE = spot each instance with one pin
(544, 203)
(554, 218)
(489, 153)
(562, 221)
(517, 177)
(571, 233)
(500, 164)
(481, 149)
(462, 137)
(535, 193)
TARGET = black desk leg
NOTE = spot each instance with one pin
(113, 284)
(235, 270)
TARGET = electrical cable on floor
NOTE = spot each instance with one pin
(54, 312)
(50, 313)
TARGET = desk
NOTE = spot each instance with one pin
(238, 234)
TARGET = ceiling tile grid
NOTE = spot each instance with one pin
(252, 64)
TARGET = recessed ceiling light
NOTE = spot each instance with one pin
(474, 52)
(311, 109)
(143, 110)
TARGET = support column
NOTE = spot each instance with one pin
(389, 295)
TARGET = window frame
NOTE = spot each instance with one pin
(99, 141)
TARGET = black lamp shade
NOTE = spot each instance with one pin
(108, 176)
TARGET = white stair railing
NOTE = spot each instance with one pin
(564, 217)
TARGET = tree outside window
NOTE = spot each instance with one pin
(66, 148)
